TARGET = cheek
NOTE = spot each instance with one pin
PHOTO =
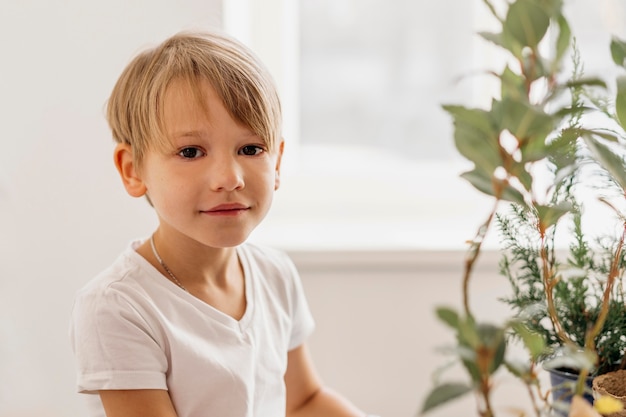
(261, 173)
(261, 187)
(267, 181)
(168, 195)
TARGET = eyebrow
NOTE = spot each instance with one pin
(199, 134)
(187, 134)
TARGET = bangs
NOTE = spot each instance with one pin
(243, 84)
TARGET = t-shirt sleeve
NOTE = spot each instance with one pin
(114, 345)
(303, 323)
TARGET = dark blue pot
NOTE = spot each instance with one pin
(563, 385)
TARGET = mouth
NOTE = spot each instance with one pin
(232, 209)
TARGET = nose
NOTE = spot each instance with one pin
(226, 174)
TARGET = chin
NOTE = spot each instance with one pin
(231, 242)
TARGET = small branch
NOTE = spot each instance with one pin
(533, 401)
(580, 382)
(548, 282)
(485, 410)
(531, 393)
(604, 311)
(472, 256)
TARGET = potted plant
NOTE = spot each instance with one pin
(612, 385)
(578, 292)
(533, 148)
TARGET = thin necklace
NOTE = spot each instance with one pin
(156, 255)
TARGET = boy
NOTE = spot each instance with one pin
(193, 322)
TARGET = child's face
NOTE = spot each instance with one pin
(216, 183)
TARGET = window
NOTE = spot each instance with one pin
(370, 160)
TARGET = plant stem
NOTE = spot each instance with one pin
(604, 311)
(531, 393)
(548, 282)
(580, 382)
(472, 256)
(484, 392)
(613, 273)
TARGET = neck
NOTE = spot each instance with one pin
(190, 264)
(212, 275)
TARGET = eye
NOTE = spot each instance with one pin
(251, 150)
(191, 153)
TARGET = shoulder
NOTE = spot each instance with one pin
(121, 299)
(115, 286)
(118, 273)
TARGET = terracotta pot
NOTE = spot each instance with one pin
(612, 384)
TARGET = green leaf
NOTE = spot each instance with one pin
(472, 368)
(466, 354)
(519, 171)
(480, 180)
(562, 150)
(485, 183)
(607, 136)
(518, 368)
(468, 334)
(571, 111)
(495, 38)
(573, 358)
(535, 67)
(475, 137)
(448, 316)
(493, 338)
(534, 342)
(513, 86)
(586, 82)
(550, 215)
(523, 120)
(564, 38)
(608, 159)
(481, 348)
(526, 22)
(618, 51)
(534, 148)
(620, 100)
(444, 393)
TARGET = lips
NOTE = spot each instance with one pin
(230, 209)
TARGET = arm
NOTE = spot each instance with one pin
(305, 394)
(137, 403)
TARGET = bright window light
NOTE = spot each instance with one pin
(370, 161)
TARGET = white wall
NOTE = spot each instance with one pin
(377, 338)
(63, 214)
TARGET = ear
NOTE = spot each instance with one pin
(129, 172)
(279, 157)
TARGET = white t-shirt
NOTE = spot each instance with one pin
(134, 329)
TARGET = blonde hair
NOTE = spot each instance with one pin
(135, 108)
